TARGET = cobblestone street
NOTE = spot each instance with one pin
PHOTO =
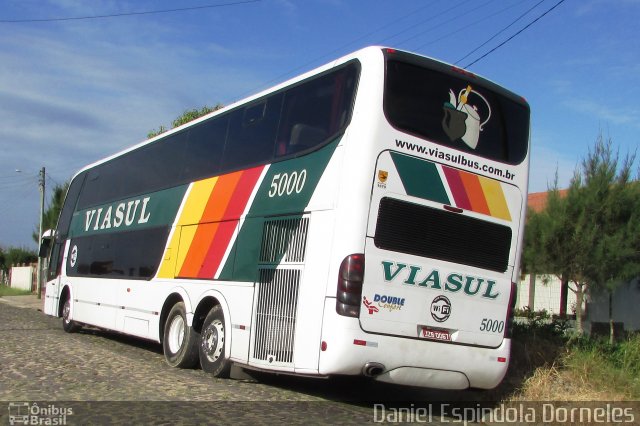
(106, 377)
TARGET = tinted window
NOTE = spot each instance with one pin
(204, 149)
(456, 112)
(147, 169)
(134, 254)
(156, 165)
(252, 133)
(316, 111)
(282, 124)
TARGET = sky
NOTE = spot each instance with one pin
(83, 79)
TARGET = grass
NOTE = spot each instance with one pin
(9, 291)
(548, 365)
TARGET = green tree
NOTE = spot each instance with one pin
(610, 222)
(15, 256)
(533, 261)
(185, 117)
(51, 214)
(591, 236)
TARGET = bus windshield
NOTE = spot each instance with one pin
(458, 112)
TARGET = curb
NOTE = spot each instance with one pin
(29, 302)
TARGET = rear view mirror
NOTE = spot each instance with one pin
(45, 246)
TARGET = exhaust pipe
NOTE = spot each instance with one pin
(372, 369)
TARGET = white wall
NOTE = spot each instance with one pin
(547, 295)
(22, 277)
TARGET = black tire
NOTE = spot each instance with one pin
(68, 325)
(180, 342)
(212, 344)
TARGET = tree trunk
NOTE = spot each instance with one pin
(612, 336)
(532, 291)
(564, 293)
(579, 296)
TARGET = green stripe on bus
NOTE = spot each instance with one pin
(144, 211)
(420, 178)
(286, 190)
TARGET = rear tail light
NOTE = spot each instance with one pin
(349, 291)
(510, 310)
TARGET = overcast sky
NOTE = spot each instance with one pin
(75, 90)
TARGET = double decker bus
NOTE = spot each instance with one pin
(364, 218)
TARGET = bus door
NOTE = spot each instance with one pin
(438, 266)
(53, 276)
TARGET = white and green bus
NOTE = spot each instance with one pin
(364, 218)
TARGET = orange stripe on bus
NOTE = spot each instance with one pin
(220, 197)
(475, 193)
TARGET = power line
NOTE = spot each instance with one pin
(498, 33)
(515, 35)
(430, 18)
(52, 180)
(442, 23)
(465, 27)
(118, 15)
(338, 49)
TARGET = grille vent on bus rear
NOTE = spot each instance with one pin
(275, 322)
(424, 231)
(284, 240)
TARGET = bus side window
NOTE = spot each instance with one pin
(252, 134)
(204, 148)
(315, 111)
(304, 137)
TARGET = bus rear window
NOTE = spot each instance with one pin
(456, 112)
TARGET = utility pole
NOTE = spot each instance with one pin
(39, 271)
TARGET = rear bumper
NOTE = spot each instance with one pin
(408, 361)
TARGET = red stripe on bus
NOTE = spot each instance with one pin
(475, 193)
(457, 188)
(242, 188)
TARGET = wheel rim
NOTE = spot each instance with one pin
(176, 334)
(66, 311)
(213, 340)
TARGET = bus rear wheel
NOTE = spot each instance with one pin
(212, 344)
(180, 342)
(68, 325)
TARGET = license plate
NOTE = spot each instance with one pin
(428, 333)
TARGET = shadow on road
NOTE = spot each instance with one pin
(527, 355)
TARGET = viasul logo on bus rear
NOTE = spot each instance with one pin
(453, 282)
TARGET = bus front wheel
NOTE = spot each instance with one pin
(68, 325)
(180, 342)
(212, 344)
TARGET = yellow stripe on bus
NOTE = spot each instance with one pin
(181, 240)
(495, 198)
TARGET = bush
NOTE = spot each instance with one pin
(538, 324)
(615, 367)
(622, 355)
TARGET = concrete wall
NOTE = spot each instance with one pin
(546, 295)
(22, 277)
(625, 306)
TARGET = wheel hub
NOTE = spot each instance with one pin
(176, 334)
(213, 340)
